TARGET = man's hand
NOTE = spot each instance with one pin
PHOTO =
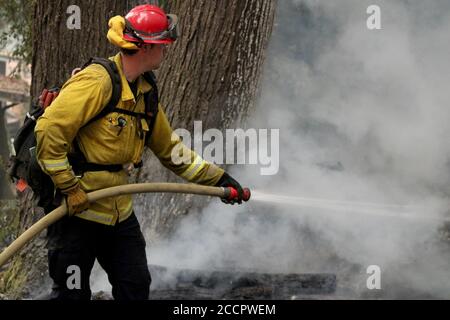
(76, 199)
(227, 181)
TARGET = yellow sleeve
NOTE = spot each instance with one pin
(81, 98)
(175, 156)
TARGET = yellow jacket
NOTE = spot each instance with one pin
(82, 97)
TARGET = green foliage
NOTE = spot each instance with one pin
(16, 28)
(13, 279)
(9, 222)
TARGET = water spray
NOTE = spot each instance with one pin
(329, 206)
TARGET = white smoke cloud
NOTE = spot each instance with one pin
(362, 117)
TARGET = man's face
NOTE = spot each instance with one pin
(153, 55)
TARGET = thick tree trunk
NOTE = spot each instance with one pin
(5, 191)
(211, 75)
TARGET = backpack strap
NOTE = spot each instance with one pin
(151, 100)
(113, 72)
(151, 110)
(78, 160)
(132, 113)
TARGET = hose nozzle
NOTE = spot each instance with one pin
(231, 194)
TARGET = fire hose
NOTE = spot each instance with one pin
(223, 193)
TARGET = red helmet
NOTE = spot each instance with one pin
(150, 24)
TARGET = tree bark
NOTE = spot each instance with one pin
(5, 191)
(211, 74)
(57, 50)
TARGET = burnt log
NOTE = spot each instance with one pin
(237, 284)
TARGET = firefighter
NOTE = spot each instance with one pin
(107, 230)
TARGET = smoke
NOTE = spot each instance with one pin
(362, 117)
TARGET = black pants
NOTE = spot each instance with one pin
(74, 244)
